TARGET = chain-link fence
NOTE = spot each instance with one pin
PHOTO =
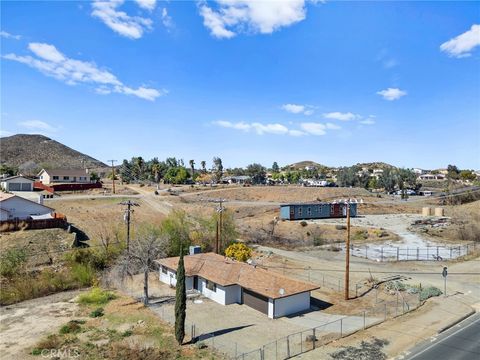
(396, 253)
(307, 340)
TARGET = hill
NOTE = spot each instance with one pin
(376, 165)
(303, 164)
(31, 152)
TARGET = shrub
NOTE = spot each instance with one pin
(52, 341)
(11, 260)
(72, 327)
(318, 241)
(84, 274)
(360, 235)
(303, 223)
(429, 292)
(97, 313)
(96, 258)
(96, 296)
(127, 333)
(238, 251)
(340, 227)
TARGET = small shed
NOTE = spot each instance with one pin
(317, 210)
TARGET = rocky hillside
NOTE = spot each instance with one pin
(303, 164)
(30, 152)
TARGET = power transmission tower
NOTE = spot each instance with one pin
(127, 217)
(113, 176)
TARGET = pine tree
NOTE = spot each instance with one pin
(180, 301)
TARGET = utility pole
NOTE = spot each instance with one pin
(219, 224)
(113, 176)
(127, 218)
(347, 255)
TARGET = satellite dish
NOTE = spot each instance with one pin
(281, 291)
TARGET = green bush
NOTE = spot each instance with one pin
(83, 274)
(96, 296)
(11, 260)
(303, 223)
(96, 258)
(72, 327)
(318, 241)
(127, 333)
(97, 313)
(429, 292)
(360, 235)
(340, 227)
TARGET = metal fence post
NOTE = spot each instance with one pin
(364, 320)
(381, 256)
(262, 353)
(450, 253)
(427, 252)
(385, 311)
(341, 327)
(418, 253)
(288, 346)
(437, 252)
(366, 251)
(398, 253)
(314, 338)
(338, 284)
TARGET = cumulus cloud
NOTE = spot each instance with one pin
(314, 128)
(131, 27)
(298, 109)
(147, 4)
(463, 44)
(336, 115)
(231, 17)
(37, 125)
(7, 35)
(52, 62)
(391, 94)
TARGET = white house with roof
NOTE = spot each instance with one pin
(13, 207)
(17, 183)
(64, 176)
(227, 281)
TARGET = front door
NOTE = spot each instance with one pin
(195, 282)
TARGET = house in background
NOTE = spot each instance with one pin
(430, 176)
(17, 183)
(226, 281)
(316, 210)
(14, 207)
(47, 177)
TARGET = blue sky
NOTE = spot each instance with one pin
(334, 82)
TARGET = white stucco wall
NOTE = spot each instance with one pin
(218, 296)
(22, 208)
(233, 294)
(291, 304)
(270, 308)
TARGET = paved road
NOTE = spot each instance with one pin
(461, 342)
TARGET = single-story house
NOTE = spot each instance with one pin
(17, 183)
(15, 207)
(227, 281)
(432, 177)
(64, 176)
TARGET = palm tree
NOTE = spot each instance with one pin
(192, 166)
(203, 163)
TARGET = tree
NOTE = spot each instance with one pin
(406, 179)
(94, 177)
(176, 229)
(217, 168)
(275, 167)
(180, 300)
(467, 175)
(347, 176)
(8, 170)
(388, 179)
(203, 164)
(192, 166)
(171, 162)
(453, 172)
(126, 172)
(150, 245)
(206, 229)
(257, 172)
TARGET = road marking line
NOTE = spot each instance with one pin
(447, 337)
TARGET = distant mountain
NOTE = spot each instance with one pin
(30, 152)
(376, 165)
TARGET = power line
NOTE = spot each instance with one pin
(113, 175)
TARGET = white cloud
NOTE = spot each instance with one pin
(391, 94)
(298, 109)
(35, 125)
(296, 133)
(461, 45)
(331, 126)
(131, 27)
(368, 121)
(336, 115)
(167, 19)
(52, 62)
(314, 128)
(238, 16)
(147, 4)
(7, 35)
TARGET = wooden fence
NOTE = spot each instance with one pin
(16, 224)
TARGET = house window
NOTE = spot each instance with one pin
(300, 211)
(211, 286)
(55, 178)
(164, 269)
(309, 211)
(66, 178)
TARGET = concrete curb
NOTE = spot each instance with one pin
(459, 320)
